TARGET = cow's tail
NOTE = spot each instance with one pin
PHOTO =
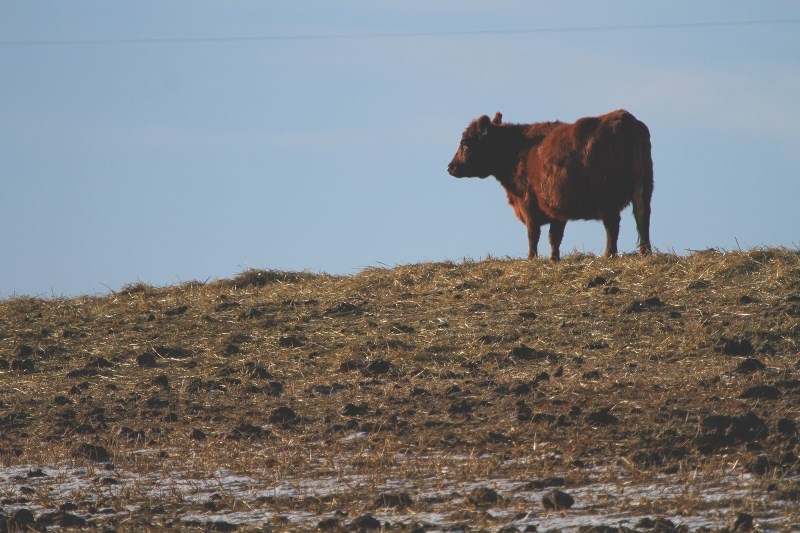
(642, 186)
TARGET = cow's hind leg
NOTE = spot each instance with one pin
(611, 222)
(534, 232)
(641, 212)
(555, 235)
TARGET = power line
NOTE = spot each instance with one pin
(399, 35)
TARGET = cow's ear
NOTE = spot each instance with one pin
(498, 118)
(483, 126)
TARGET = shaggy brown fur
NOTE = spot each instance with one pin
(555, 172)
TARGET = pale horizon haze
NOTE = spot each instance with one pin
(163, 142)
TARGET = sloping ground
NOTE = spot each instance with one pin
(661, 391)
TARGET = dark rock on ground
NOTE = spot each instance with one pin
(602, 417)
(699, 284)
(378, 367)
(326, 389)
(83, 373)
(399, 500)
(484, 496)
(365, 522)
(524, 412)
(161, 381)
(744, 522)
(231, 348)
(597, 345)
(749, 365)
(61, 519)
(761, 465)
(256, 371)
(172, 352)
(146, 360)
(245, 431)
(557, 500)
(402, 328)
(94, 452)
(23, 365)
(659, 455)
(283, 415)
(291, 341)
(521, 389)
(352, 364)
(175, 311)
(22, 517)
(344, 309)
(787, 426)
(355, 410)
(132, 434)
(460, 407)
(99, 362)
(156, 403)
(494, 437)
(329, 524)
(221, 525)
(273, 388)
(596, 281)
(23, 351)
(736, 346)
(726, 430)
(761, 392)
(526, 353)
(62, 400)
(661, 525)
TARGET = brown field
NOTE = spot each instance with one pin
(660, 393)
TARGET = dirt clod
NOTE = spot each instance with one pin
(602, 417)
(484, 496)
(749, 365)
(399, 500)
(95, 452)
(557, 500)
(365, 522)
(146, 360)
(283, 415)
(378, 367)
(763, 392)
(736, 346)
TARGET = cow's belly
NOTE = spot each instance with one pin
(565, 197)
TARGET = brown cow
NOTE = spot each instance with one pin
(553, 172)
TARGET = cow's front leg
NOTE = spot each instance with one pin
(611, 222)
(534, 232)
(555, 235)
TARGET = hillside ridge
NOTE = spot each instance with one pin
(436, 377)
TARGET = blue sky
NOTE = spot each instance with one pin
(156, 142)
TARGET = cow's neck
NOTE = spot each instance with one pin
(510, 154)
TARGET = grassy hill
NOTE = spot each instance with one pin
(425, 396)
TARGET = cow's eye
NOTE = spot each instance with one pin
(465, 143)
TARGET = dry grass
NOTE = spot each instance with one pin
(431, 378)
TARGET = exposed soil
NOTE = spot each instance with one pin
(497, 395)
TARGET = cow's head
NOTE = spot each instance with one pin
(475, 155)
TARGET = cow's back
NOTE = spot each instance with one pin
(585, 169)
